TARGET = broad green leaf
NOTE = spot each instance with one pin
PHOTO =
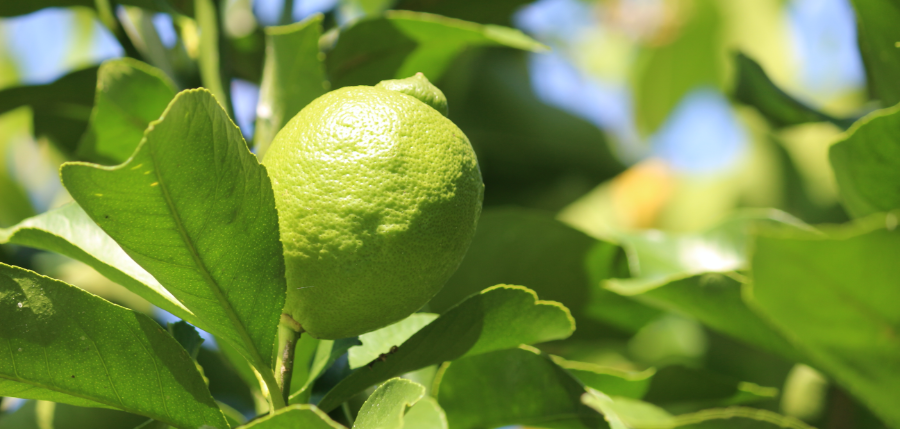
(610, 381)
(66, 345)
(211, 70)
(878, 36)
(41, 414)
(381, 341)
(426, 414)
(561, 264)
(716, 301)
(693, 388)
(386, 406)
(295, 417)
(756, 89)
(187, 336)
(666, 73)
(402, 43)
(69, 231)
(195, 208)
(293, 76)
(867, 164)
(836, 298)
(512, 387)
(485, 12)
(500, 317)
(324, 355)
(624, 413)
(130, 94)
(61, 109)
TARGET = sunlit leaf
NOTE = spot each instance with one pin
(130, 94)
(401, 44)
(295, 417)
(208, 233)
(381, 341)
(867, 164)
(387, 404)
(498, 318)
(293, 75)
(66, 345)
(835, 297)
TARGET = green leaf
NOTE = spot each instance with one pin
(498, 318)
(14, 126)
(326, 353)
(486, 12)
(694, 59)
(295, 417)
(211, 70)
(195, 208)
(699, 388)
(402, 43)
(608, 380)
(381, 341)
(624, 413)
(66, 345)
(37, 415)
(426, 414)
(61, 108)
(558, 262)
(386, 406)
(130, 94)
(867, 164)
(878, 35)
(508, 387)
(754, 88)
(836, 298)
(69, 231)
(293, 76)
(187, 336)
(15, 8)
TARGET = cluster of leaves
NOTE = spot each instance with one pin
(186, 220)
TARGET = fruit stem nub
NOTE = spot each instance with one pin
(288, 334)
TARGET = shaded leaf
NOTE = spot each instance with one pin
(756, 89)
(485, 12)
(700, 388)
(35, 414)
(295, 417)
(497, 318)
(386, 406)
(14, 125)
(68, 230)
(208, 233)
(608, 380)
(66, 345)
(401, 44)
(867, 164)
(209, 63)
(382, 340)
(293, 76)
(810, 287)
(187, 336)
(324, 354)
(878, 35)
(515, 386)
(61, 109)
(623, 413)
(559, 263)
(130, 94)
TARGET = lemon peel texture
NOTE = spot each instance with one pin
(378, 196)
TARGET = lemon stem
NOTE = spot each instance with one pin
(288, 333)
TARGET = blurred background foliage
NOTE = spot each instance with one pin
(640, 140)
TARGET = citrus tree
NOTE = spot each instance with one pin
(355, 264)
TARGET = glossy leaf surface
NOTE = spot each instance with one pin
(208, 233)
(66, 345)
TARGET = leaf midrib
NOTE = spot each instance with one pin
(198, 262)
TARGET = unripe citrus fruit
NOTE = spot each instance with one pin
(378, 195)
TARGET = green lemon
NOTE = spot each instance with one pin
(378, 196)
